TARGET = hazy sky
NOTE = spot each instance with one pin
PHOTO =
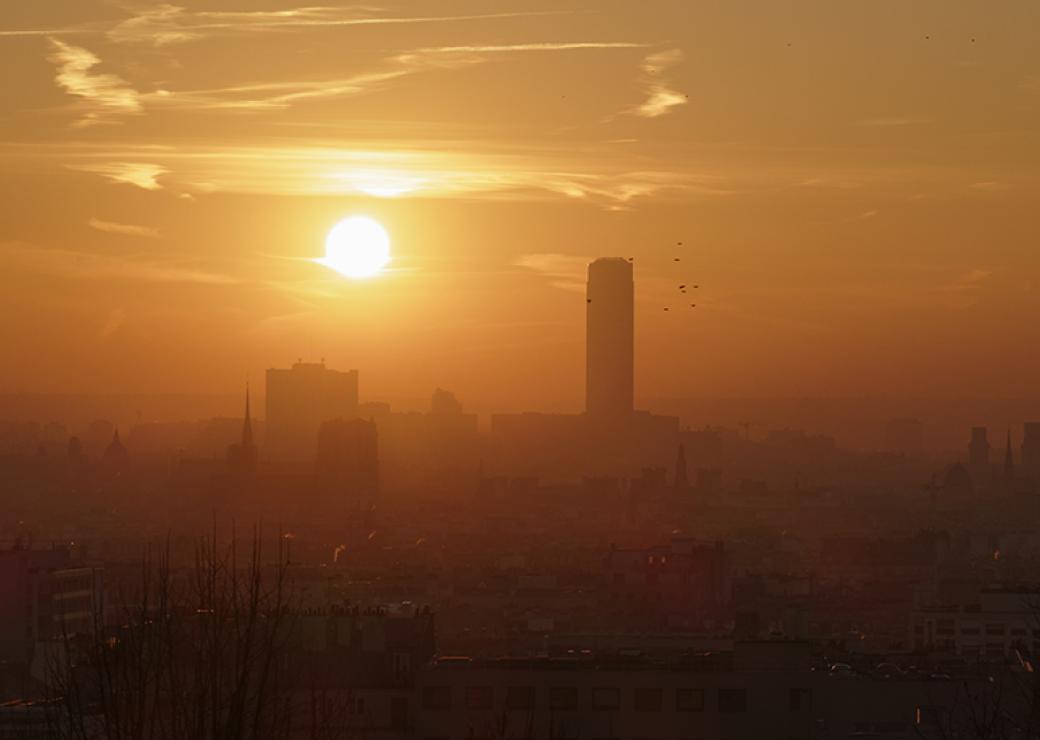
(854, 183)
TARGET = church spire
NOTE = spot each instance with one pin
(247, 424)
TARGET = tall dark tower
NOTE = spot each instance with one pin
(609, 339)
(247, 424)
(682, 478)
(242, 456)
(978, 450)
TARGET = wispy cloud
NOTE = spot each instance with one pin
(565, 271)
(166, 24)
(79, 265)
(548, 46)
(467, 170)
(112, 227)
(139, 174)
(109, 97)
(271, 96)
(661, 97)
(104, 96)
(990, 186)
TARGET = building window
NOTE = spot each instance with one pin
(563, 698)
(479, 697)
(520, 697)
(689, 700)
(732, 700)
(606, 698)
(436, 698)
(648, 700)
(799, 700)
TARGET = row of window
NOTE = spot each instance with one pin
(566, 698)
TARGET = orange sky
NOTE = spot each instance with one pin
(855, 185)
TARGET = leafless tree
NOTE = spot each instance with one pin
(200, 653)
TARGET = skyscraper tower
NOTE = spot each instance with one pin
(609, 339)
(1009, 467)
(978, 450)
(1030, 458)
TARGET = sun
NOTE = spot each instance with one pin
(357, 247)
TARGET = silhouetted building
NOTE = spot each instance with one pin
(609, 337)
(682, 576)
(115, 456)
(242, 456)
(1031, 450)
(45, 595)
(978, 449)
(299, 400)
(1009, 466)
(682, 480)
(444, 403)
(348, 461)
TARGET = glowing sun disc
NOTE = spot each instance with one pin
(357, 247)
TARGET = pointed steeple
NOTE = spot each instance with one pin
(247, 424)
(115, 453)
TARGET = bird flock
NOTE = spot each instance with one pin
(683, 287)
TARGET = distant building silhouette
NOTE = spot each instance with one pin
(682, 480)
(609, 337)
(115, 456)
(444, 403)
(1009, 467)
(299, 400)
(1030, 457)
(242, 456)
(978, 449)
(348, 461)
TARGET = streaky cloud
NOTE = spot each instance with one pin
(142, 175)
(113, 227)
(81, 265)
(167, 24)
